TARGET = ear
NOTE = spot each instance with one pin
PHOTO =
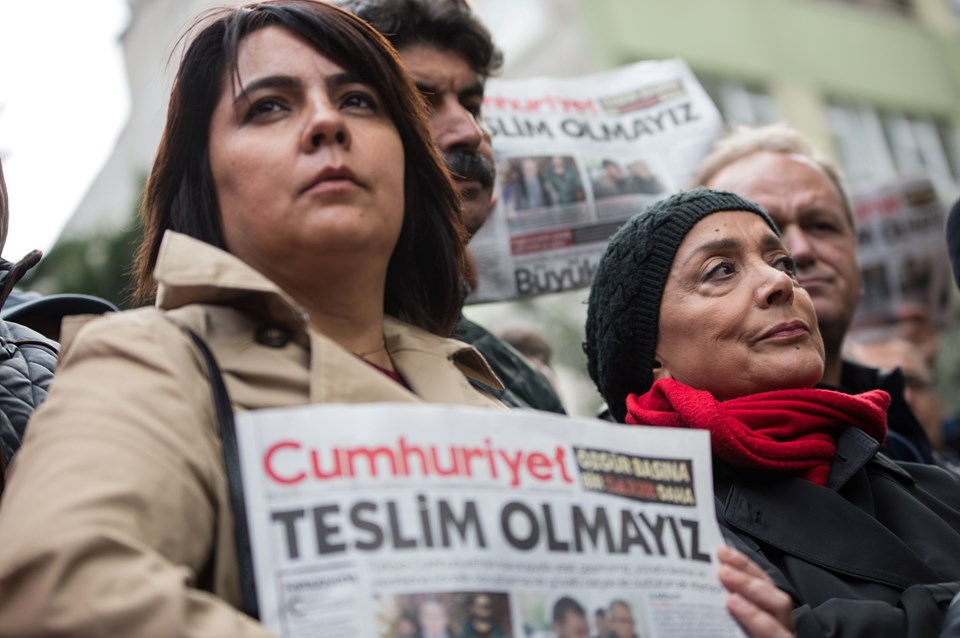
(660, 371)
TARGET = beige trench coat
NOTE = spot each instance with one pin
(118, 497)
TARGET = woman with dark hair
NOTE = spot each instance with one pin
(697, 320)
(299, 221)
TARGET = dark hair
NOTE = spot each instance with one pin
(424, 276)
(566, 605)
(448, 25)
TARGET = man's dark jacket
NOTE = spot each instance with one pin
(524, 387)
(875, 553)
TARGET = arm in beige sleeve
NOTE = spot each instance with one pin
(111, 506)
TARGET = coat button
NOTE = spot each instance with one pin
(272, 336)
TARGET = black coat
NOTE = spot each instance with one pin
(27, 362)
(875, 553)
(524, 387)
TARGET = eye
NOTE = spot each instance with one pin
(359, 100)
(265, 107)
(473, 107)
(786, 264)
(720, 271)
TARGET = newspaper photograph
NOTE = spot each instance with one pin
(392, 520)
(576, 157)
(903, 255)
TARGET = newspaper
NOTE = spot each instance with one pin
(576, 157)
(903, 255)
(381, 520)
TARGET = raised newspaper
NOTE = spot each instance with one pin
(383, 520)
(903, 254)
(576, 157)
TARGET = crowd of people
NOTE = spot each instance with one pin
(322, 169)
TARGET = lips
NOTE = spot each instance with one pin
(786, 331)
(332, 177)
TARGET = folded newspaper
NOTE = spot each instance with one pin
(388, 520)
(576, 157)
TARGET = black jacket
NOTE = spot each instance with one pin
(27, 362)
(524, 387)
(875, 553)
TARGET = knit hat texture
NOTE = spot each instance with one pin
(624, 305)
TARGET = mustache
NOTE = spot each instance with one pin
(470, 165)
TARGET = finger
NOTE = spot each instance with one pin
(757, 622)
(760, 592)
(730, 556)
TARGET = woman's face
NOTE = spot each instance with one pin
(733, 320)
(306, 162)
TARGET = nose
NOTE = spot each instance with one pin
(326, 125)
(799, 245)
(456, 127)
(776, 287)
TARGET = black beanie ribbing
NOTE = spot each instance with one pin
(624, 304)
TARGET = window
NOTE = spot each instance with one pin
(741, 104)
(879, 145)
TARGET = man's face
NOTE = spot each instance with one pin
(454, 95)
(809, 211)
(573, 625)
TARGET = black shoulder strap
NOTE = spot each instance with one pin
(231, 462)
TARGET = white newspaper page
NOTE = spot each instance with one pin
(576, 157)
(903, 254)
(385, 520)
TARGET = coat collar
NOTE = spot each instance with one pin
(190, 271)
(782, 514)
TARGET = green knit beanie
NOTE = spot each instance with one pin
(624, 305)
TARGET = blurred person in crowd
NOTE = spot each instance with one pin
(802, 191)
(434, 621)
(600, 623)
(886, 352)
(535, 349)
(300, 221)
(481, 621)
(860, 545)
(570, 619)
(29, 331)
(449, 54)
(563, 182)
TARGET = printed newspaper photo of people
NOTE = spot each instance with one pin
(486, 319)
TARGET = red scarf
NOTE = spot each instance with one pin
(783, 430)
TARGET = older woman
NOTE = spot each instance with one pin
(696, 320)
(297, 217)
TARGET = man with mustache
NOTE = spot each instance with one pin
(802, 191)
(449, 54)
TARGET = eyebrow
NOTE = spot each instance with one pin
(728, 245)
(291, 82)
(474, 90)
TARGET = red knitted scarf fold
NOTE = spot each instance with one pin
(783, 430)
